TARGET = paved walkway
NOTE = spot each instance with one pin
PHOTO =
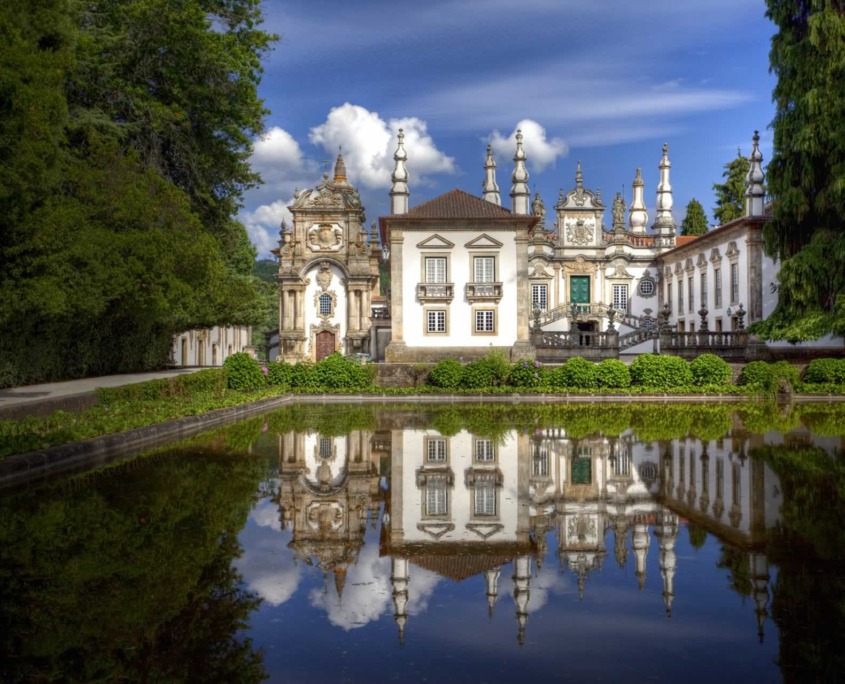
(36, 394)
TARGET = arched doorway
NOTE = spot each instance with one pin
(325, 345)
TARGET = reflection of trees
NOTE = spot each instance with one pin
(697, 535)
(736, 562)
(808, 546)
(129, 577)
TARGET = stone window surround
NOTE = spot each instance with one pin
(480, 309)
(432, 309)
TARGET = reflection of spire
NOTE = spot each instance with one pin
(640, 542)
(620, 539)
(492, 578)
(340, 581)
(521, 593)
(667, 532)
(760, 580)
(400, 578)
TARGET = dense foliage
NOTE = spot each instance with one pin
(243, 373)
(695, 221)
(823, 371)
(660, 371)
(613, 373)
(125, 129)
(709, 369)
(447, 374)
(806, 175)
(730, 195)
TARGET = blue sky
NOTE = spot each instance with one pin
(606, 82)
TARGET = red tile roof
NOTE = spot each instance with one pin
(457, 204)
(684, 239)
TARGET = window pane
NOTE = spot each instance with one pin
(485, 499)
(436, 500)
(484, 321)
(325, 305)
(435, 269)
(691, 293)
(620, 296)
(437, 450)
(483, 450)
(436, 321)
(539, 297)
(485, 268)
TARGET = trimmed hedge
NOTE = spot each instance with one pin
(770, 377)
(709, 369)
(613, 373)
(342, 372)
(660, 371)
(446, 374)
(243, 372)
(576, 373)
(825, 371)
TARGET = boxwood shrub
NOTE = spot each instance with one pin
(825, 371)
(447, 374)
(341, 372)
(770, 377)
(577, 373)
(709, 369)
(243, 372)
(660, 371)
(613, 373)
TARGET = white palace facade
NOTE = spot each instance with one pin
(468, 275)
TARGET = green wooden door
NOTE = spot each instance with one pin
(582, 471)
(579, 289)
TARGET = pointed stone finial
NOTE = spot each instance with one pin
(638, 217)
(664, 223)
(579, 177)
(399, 191)
(755, 194)
(491, 189)
(519, 190)
(283, 227)
(340, 168)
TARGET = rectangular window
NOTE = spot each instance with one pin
(485, 499)
(691, 293)
(704, 290)
(436, 451)
(717, 282)
(485, 321)
(620, 297)
(669, 295)
(436, 499)
(435, 270)
(539, 297)
(435, 321)
(540, 461)
(484, 269)
(734, 283)
(484, 450)
(680, 297)
(325, 447)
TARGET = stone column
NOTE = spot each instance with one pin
(522, 348)
(395, 350)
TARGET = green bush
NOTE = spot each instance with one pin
(755, 374)
(302, 375)
(613, 373)
(660, 371)
(576, 373)
(825, 371)
(709, 369)
(446, 374)
(770, 377)
(342, 372)
(279, 374)
(243, 372)
(527, 374)
(478, 375)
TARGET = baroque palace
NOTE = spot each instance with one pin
(467, 275)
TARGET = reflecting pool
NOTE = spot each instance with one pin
(483, 543)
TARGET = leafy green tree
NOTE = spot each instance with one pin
(695, 222)
(730, 195)
(806, 175)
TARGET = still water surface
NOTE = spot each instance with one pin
(461, 543)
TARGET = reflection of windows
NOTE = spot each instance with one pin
(582, 466)
(436, 450)
(484, 450)
(540, 461)
(539, 297)
(620, 297)
(485, 321)
(325, 447)
(325, 304)
(435, 270)
(484, 499)
(436, 497)
(435, 321)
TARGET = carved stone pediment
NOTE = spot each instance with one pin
(580, 231)
(325, 237)
(618, 271)
(539, 270)
(580, 265)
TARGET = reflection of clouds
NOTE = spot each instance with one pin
(267, 565)
(548, 581)
(368, 593)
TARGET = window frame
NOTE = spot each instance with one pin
(493, 323)
(621, 288)
(536, 289)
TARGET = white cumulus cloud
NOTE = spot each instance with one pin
(540, 150)
(368, 143)
(263, 224)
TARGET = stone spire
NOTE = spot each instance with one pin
(399, 191)
(340, 169)
(638, 217)
(664, 223)
(754, 194)
(400, 577)
(519, 190)
(492, 578)
(521, 593)
(491, 189)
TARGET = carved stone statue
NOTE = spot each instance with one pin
(618, 212)
(538, 208)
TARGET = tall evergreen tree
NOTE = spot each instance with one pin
(806, 175)
(695, 222)
(730, 195)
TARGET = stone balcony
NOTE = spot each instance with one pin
(435, 292)
(483, 292)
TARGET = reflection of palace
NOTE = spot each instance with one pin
(328, 491)
(463, 505)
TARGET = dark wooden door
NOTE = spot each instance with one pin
(325, 344)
